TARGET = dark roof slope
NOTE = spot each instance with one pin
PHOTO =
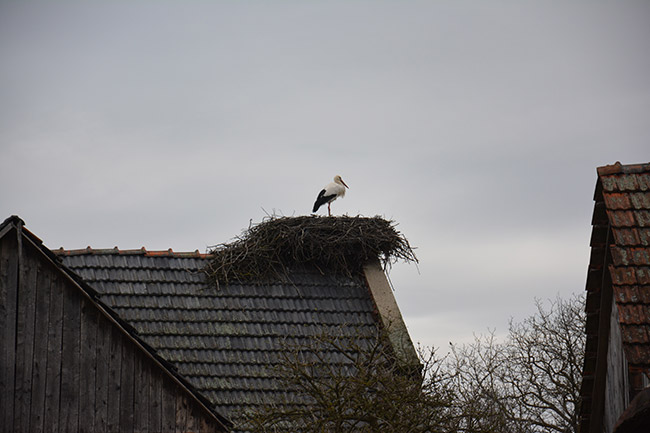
(224, 341)
(42, 266)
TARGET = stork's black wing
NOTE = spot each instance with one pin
(322, 199)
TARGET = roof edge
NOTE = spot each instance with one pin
(389, 313)
(618, 168)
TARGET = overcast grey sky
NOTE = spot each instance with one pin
(477, 126)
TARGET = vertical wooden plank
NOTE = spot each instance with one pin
(155, 398)
(8, 297)
(25, 337)
(141, 397)
(70, 360)
(88, 365)
(168, 405)
(207, 427)
(102, 372)
(40, 350)
(181, 411)
(193, 423)
(114, 371)
(127, 386)
(54, 350)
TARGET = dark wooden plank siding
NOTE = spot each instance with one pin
(54, 350)
(8, 296)
(192, 423)
(142, 401)
(88, 365)
(155, 400)
(114, 369)
(181, 413)
(196, 422)
(168, 398)
(102, 372)
(27, 274)
(70, 361)
(127, 389)
(39, 369)
(67, 366)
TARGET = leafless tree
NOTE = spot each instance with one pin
(353, 385)
(482, 403)
(528, 383)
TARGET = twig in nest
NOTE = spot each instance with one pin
(339, 244)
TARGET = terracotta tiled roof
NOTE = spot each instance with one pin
(626, 196)
(618, 277)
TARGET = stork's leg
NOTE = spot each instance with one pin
(329, 211)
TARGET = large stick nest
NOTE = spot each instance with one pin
(341, 245)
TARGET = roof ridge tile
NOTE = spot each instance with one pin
(618, 168)
(128, 252)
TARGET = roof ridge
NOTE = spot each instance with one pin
(131, 252)
(618, 168)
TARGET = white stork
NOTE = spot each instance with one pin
(331, 192)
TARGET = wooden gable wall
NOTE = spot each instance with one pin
(66, 366)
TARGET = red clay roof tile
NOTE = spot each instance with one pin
(638, 355)
(623, 276)
(621, 218)
(636, 256)
(625, 294)
(644, 237)
(140, 251)
(615, 168)
(615, 201)
(619, 256)
(629, 315)
(634, 334)
(644, 182)
(626, 182)
(640, 200)
(618, 168)
(643, 218)
(632, 294)
(641, 256)
(643, 277)
(627, 237)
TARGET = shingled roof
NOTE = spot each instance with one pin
(626, 197)
(226, 341)
(618, 283)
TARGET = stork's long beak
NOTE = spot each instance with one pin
(344, 184)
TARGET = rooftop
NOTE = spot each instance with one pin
(625, 193)
(224, 341)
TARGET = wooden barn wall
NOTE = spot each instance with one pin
(617, 387)
(66, 367)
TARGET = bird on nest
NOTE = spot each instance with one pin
(331, 192)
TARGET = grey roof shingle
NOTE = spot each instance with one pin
(224, 341)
